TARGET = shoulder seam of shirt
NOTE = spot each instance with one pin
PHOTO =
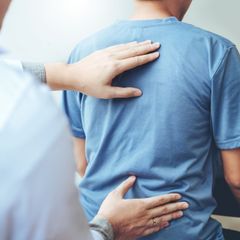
(222, 60)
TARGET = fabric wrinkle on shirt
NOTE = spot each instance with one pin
(170, 136)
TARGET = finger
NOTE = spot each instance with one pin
(123, 188)
(122, 46)
(151, 230)
(170, 217)
(134, 62)
(125, 46)
(159, 221)
(168, 208)
(132, 45)
(138, 50)
(121, 92)
(161, 224)
(160, 200)
(164, 225)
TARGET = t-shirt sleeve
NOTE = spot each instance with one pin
(225, 101)
(71, 102)
(71, 106)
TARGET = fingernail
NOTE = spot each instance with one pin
(148, 41)
(166, 225)
(177, 196)
(185, 205)
(156, 54)
(138, 93)
(132, 178)
(180, 214)
(157, 44)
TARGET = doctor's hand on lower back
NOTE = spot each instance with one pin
(94, 74)
(136, 218)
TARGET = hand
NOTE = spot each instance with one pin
(94, 74)
(136, 218)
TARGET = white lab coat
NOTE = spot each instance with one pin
(38, 199)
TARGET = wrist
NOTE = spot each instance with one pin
(57, 76)
(73, 77)
(110, 220)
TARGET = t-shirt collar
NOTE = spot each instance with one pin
(150, 22)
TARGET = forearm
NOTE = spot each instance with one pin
(55, 75)
(80, 156)
(101, 229)
(59, 77)
(93, 75)
(231, 164)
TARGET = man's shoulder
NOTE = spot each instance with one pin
(200, 33)
(107, 37)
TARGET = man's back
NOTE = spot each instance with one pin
(167, 137)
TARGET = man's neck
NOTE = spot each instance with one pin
(151, 10)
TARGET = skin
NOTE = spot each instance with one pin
(231, 164)
(4, 4)
(154, 9)
(93, 75)
(139, 212)
(78, 77)
(79, 151)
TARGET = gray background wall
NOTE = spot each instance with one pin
(47, 30)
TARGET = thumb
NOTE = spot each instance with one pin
(124, 187)
(124, 92)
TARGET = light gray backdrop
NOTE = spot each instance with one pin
(47, 30)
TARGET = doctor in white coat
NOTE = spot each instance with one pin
(38, 199)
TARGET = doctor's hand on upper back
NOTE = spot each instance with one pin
(94, 74)
(134, 218)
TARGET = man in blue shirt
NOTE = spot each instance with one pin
(189, 111)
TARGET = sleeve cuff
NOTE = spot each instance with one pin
(102, 226)
(228, 145)
(36, 69)
(78, 133)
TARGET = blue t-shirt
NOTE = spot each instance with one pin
(170, 135)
